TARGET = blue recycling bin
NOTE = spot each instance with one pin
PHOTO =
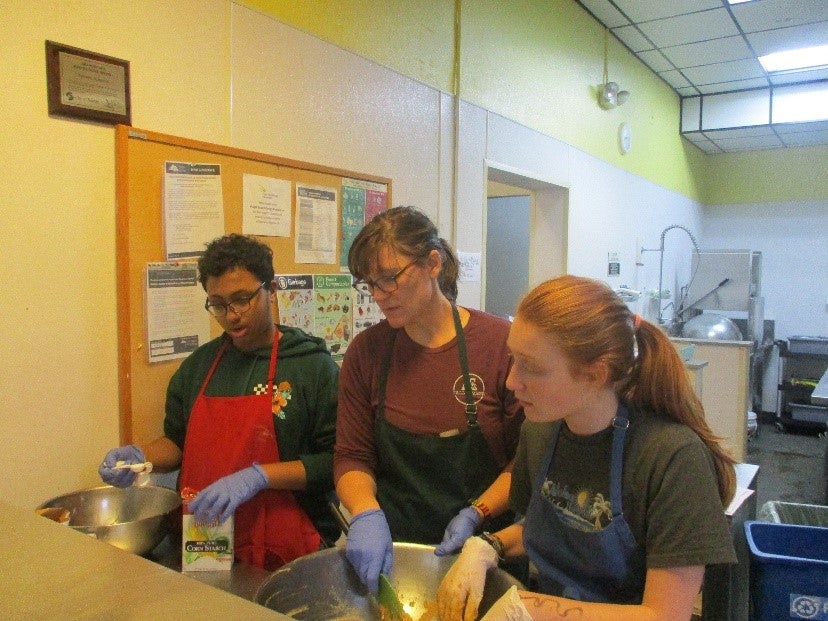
(788, 571)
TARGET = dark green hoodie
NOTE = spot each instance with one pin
(306, 376)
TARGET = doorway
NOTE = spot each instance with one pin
(507, 253)
(525, 237)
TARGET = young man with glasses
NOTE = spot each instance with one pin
(426, 428)
(250, 416)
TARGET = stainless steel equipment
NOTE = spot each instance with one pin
(323, 585)
(135, 519)
(729, 282)
(711, 326)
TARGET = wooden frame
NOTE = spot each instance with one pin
(140, 158)
(86, 85)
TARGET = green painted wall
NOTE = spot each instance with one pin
(775, 175)
(538, 62)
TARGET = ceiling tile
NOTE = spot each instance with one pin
(758, 131)
(735, 85)
(747, 143)
(769, 14)
(713, 24)
(724, 72)
(792, 128)
(780, 39)
(605, 13)
(703, 143)
(804, 139)
(708, 52)
(647, 10)
(632, 38)
(687, 91)
(674, 79)
(695, 137)
(798, 77)
(655, 60)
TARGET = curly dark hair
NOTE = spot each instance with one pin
(234, 251)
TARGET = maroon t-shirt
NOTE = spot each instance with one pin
(425, 392)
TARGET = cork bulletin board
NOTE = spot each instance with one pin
(140, 163)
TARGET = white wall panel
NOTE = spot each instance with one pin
(524, 151)
(793, 240)
(296, 96)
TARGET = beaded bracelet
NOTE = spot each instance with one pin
(482, 507)
(494, 541)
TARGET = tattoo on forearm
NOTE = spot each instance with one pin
(564, 609)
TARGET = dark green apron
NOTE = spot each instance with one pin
(424, 480)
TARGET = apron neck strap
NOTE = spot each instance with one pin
(471, 405)
(271, 374)
(619, 430)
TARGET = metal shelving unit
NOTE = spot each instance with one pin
(802, 362)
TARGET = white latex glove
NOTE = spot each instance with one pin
(461, 589)
(508, 608)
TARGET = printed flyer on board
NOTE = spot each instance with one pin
(319, 304)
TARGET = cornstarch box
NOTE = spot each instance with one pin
(204, 546)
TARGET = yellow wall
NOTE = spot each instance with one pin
(774, 175)
(58, 401)
(538, 62)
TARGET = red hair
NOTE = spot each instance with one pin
(589, 322)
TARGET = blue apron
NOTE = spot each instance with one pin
(606, 565)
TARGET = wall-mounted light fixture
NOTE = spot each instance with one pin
(609, 93)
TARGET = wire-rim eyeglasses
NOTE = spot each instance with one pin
(386, 284)
(239, 306)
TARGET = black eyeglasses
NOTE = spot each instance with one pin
(386, 284)
(239, 305)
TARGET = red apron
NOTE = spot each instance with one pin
(228, 434)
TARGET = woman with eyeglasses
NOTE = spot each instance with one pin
(250, 417)
(426, 428)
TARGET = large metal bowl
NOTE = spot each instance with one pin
(323, 585)
(135, 519)
(711, 326)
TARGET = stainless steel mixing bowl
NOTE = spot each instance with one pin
(323, 585)
(135, 519)
(711, 326)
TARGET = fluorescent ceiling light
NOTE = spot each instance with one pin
(791, 60)
(738, 1)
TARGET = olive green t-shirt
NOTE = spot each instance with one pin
(670, 494)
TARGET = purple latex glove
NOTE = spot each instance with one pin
(219, 500)
(120, 477)
(369, 548)
(461, 527)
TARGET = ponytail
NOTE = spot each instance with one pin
(450, 272)
(659, 383)
(588, 321)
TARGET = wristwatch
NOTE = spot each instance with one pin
(494, 541)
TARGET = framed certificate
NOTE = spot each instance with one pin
(86, 85)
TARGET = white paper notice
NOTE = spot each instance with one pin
(469, 266)
(316, 225)
(176, 320)
(193, 208)
(266, 206)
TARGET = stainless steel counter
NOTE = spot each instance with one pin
(51, 571)
(820, 394)
(242, 579)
